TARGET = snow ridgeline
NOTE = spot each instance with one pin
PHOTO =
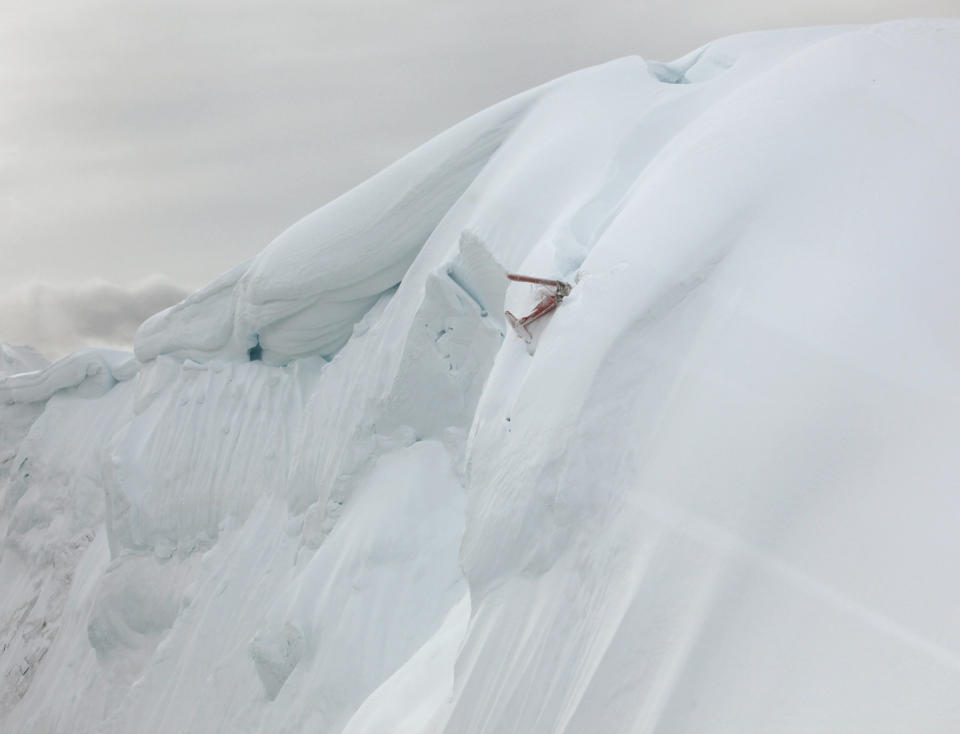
(718, 495)
(303, 294)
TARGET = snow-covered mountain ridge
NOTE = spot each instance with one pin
(334, 493)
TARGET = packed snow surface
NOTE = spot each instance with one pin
(717, 493)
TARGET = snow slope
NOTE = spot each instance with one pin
(716, 494)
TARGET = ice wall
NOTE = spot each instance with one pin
(715, 495)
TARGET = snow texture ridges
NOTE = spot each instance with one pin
(717, 493)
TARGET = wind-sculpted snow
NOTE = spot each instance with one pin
(303, 294)
(17, 417)
(89, 371)
(28, 380)
(716, 493)
(14, 360)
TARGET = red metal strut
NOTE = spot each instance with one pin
(548, 303)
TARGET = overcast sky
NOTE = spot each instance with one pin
(145, 147)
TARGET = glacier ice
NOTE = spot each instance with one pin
(717, 495)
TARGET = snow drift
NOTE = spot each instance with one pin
(333, 493)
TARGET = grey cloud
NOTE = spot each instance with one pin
(59, 319)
